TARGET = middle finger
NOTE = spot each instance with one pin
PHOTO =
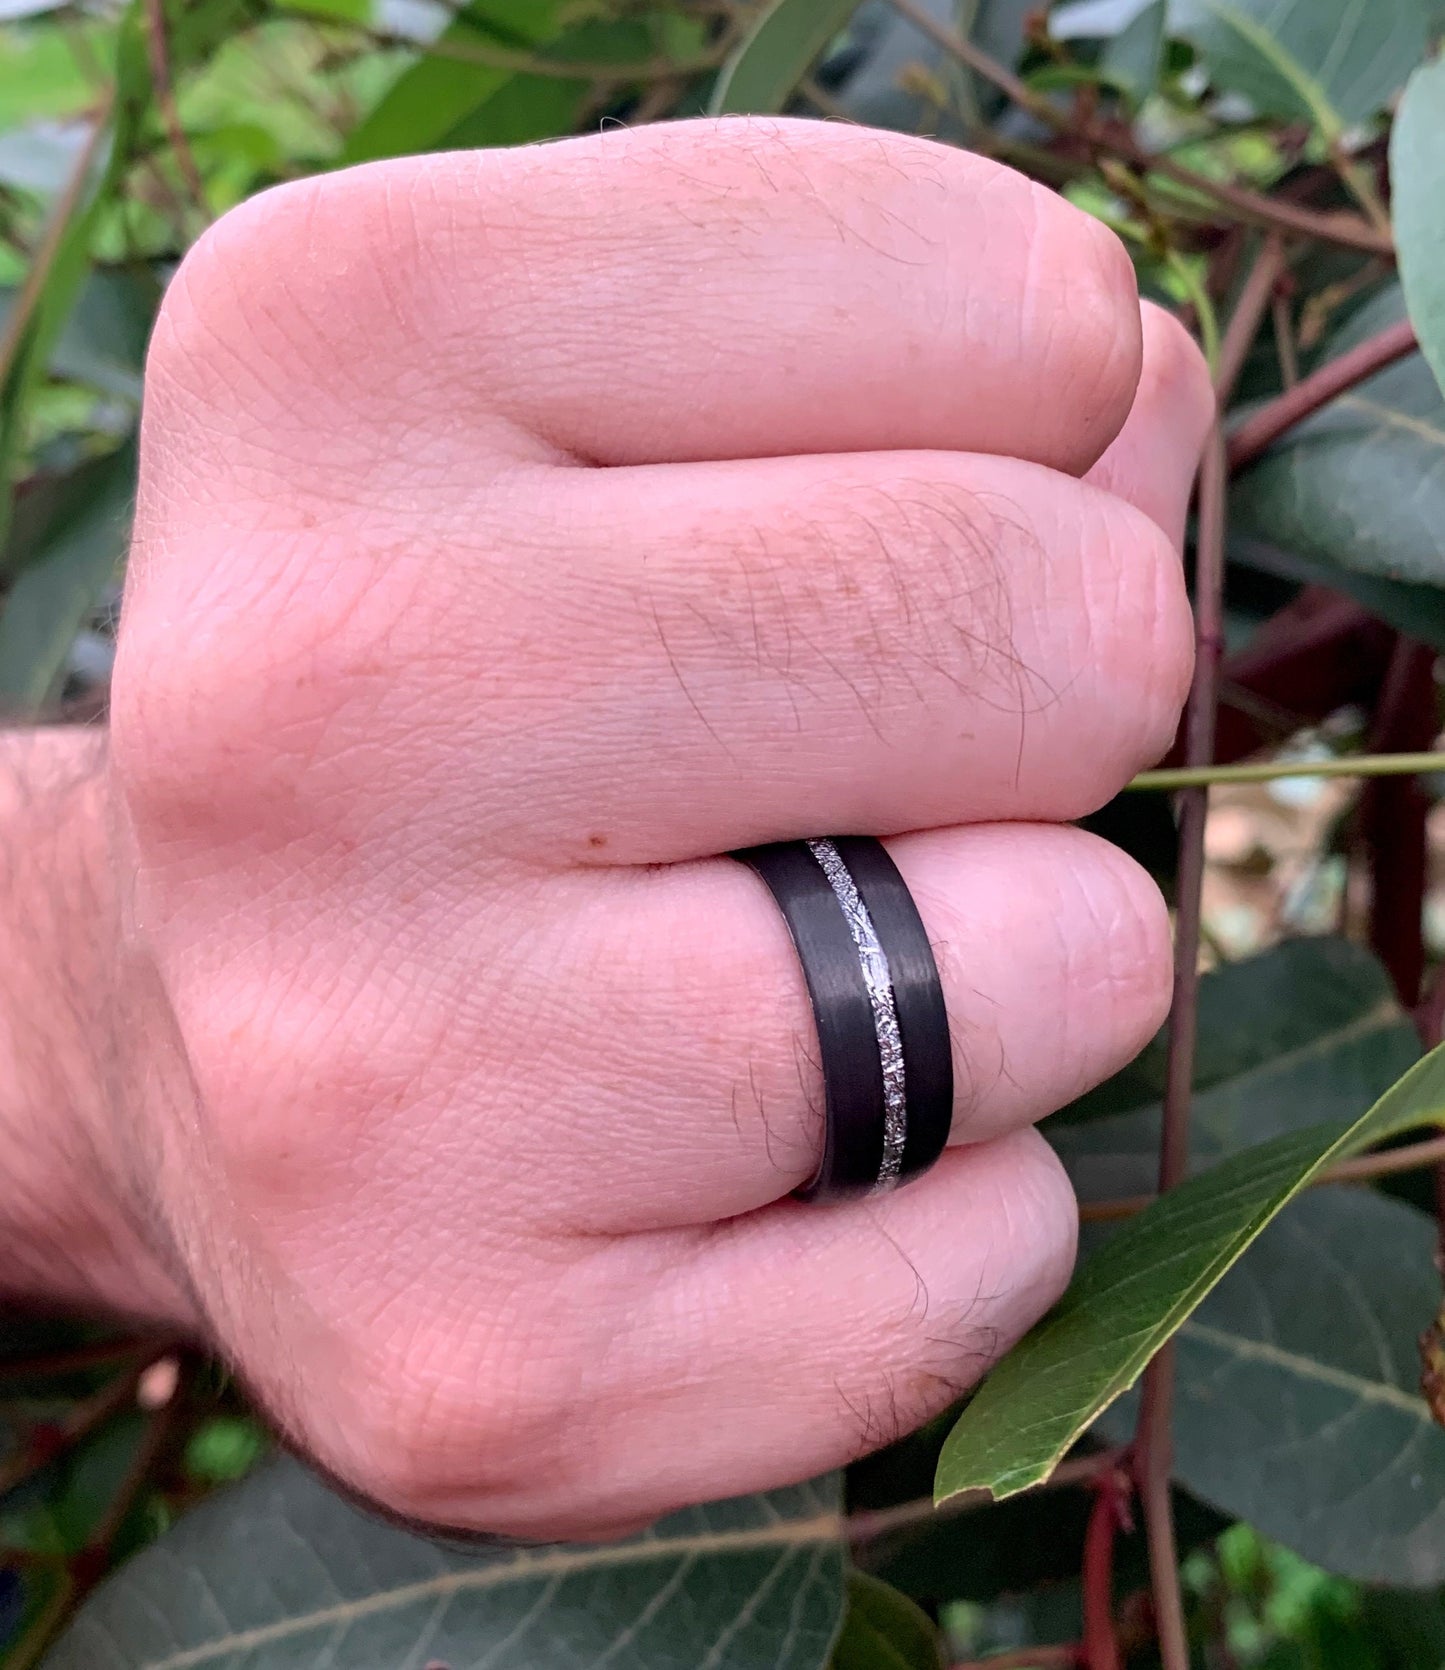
(862, 644)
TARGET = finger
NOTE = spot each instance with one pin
(1171, 415)
(691, 290)
(848, 1325)
(680, 1003)
(867, 644)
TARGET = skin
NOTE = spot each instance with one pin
(517, 532)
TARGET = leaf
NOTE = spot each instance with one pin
(1131, 59)
(66, 569)
(1415, 608)
(430, 98)
(1361, 484)
(1303, 1000)
(1297, 1403)
(1133, 1294)
(884, 1630)
(764, 72)
(1417, 167)
(279, 1571)
(1327, 62)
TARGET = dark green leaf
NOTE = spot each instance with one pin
(1361, 484)
(278, 1572)
(1133, 1294)
(430, 99)
(1131, 59)
(66, 569)
(883, 1630)
(1413, 607)
(1327, 62)
(1417, 172)
(1297, 1403)
(1304, 1000)
(764, 72)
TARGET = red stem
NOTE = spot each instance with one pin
(1101, 1638)
(1393, 814)
(1332, 379)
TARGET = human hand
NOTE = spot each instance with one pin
(518, 532)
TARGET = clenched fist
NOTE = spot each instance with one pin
(519, 532)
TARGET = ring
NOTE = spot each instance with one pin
(878, 1006)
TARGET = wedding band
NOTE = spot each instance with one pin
(878, 1007)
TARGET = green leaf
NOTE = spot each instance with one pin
(429, 99)
(1133, 1294)
(1131, 59)
(1297, 1402)
(66, 568)
(884, 1630)
(780, 49)
(1361, 484)
(1417, 168)
(279, 1571)
(1327, 62)
(1306, 1000)
(1415, 608)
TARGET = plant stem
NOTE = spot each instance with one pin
(1393, 813)
(873, 1523)
(1153, 1447)
(1153, 1438)
(1254, 300)
(1334, 378)
(1363, 1168)
(84, 1418)
(1101, 1638)
(1250, 206)
(51, 1364)
(1170, 778)
(158, 53)
(32, 289)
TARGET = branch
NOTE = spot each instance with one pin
(1254, 301)
(1153, 1445)
(160, 65)
(1332, 379)
(1153, 1441)
(1363, 1168)
(1101, 1638)
(53, 1439)
(1271, 771)
(873, 1523)
(1247, 205)
(100, 1354)
(28, 297)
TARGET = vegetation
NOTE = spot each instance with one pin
(1220, 1449)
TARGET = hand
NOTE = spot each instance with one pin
(518, 532)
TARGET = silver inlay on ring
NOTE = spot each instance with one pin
(880, 998)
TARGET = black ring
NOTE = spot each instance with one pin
(878, 1005)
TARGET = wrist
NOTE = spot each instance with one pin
(71, 1117)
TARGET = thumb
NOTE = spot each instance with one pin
(1152, 460)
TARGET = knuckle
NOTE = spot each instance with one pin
(1175, 370)
(1082, 295)
(447, 1429)
(1139, 619)
(1124, 963)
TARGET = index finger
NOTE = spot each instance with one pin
(684, 291)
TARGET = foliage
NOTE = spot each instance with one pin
(1275, 168)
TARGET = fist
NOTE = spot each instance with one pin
(518, 533)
